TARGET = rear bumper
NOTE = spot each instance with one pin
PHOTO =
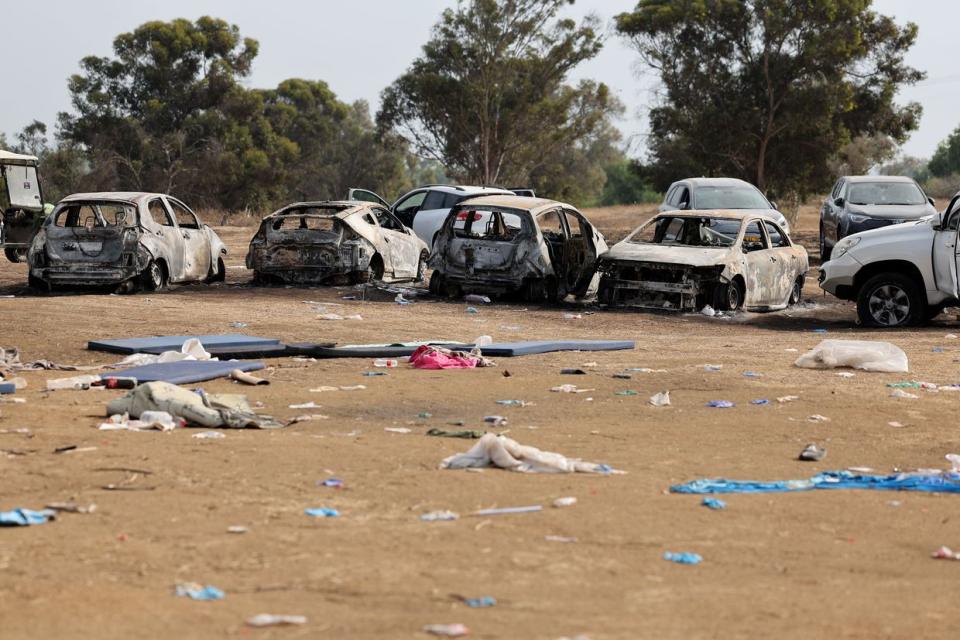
(81, 274)
(494, 282)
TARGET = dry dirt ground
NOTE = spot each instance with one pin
(844, 564)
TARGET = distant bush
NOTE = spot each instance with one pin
(942, 186)
(626, 185)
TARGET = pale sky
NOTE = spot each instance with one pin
(361, 46)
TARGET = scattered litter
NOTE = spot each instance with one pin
(515, 403)
(855, 354)
(197, 408)
(683, 557)
(497, 421)
(712, 367)
(148, 421)
(661, 399)
(401, 300)
(506, 511)
(934, 482)
(566, 501)
(900, 393)
(499, 451)
(238, 325)
(396, 430)
(954, 461)
(569, 388)
(752, 374)
(818, 418)
(573, 372)
(714, 503)
(307, 418)
(572, 316)
(625, 392)
(429, 357)
(785, 399)
(237, 529)
(622, 376)
(467, 434)
(896, 425)
(246, 378)
(720, 404)
(812, 453)
(71, 507)
(209, 435)
(336, 483)
(25, 517)
(386, 363)
(199, 592)
(647, 370)
(355, 387)
(476, 299)
(472, 310)
(819, 330)
(337, 316)
(945, 553)
(760, 401)
(321, 512)
(76, 383)
(438, 516)
(447, 630)
(373, 374)
(559, 539)
(424, 414)
(478, 603)
(937, 349)
(306, 405)
(845, 374)
(482, 341)
(708, 311)
(274, 620)
(951, 336)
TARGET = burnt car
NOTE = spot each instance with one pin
(124, 239)
(536, 248)
(336, 242)
(685, 260)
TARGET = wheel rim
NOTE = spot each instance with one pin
(889, 305)
(733, 297)
(797, 292)
(156, 275)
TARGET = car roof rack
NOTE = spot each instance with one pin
(451, 186)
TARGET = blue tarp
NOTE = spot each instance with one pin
(25, 517)
(947, 482)
(173, 343)
(185, 371)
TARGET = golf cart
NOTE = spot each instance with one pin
(21, 200)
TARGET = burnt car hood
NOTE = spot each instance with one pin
(892, 211)
(692, 256)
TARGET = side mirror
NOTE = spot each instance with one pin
(932, 203)
(838, 202)
(773, 205)
(684, 206)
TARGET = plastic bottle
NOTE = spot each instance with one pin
(384, 362)
(76, 382)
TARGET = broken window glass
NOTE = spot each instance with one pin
(158, 213)
(487, 224)
(753, 239)
(688, 231)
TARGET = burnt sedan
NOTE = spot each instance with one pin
(685, 261)
(532, 247)
(124, 239)
(335, 242)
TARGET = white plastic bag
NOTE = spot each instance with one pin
(499, 451)
(856, 354)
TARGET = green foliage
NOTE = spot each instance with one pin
(488, 100)
(769, 90)
(915, 168)
(862, 154)
(946, 159)
(626, 184)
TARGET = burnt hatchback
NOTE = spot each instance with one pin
(537, 248)
(130, 240)
(335, 242)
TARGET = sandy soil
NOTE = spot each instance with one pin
(843, 564)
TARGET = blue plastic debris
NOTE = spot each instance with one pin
(472, 310)
(819, 330)
(760, 401)
(480, 603)
(714, 503)
(720, 404)
(8, 387)
(198, 592)
(683, 557)
(373, 374)
(929, 482)
(322, 512)
(25, 517)
(752, 374)
(938, 349)
(332, 482)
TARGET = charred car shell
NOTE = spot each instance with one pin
(318, 242)
(128, 239)
(684, 261)
(516, 245)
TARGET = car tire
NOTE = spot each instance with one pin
(15, 255)
(436, 283)
(728, 296)
(889, 301)
(535, 290)
(796, 293)
(153, 277)
(605, 291)
(220, 275)
(422, 266)
(824, 250)
(37, 284)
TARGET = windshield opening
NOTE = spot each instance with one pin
(886, 193)
(487, 224)
(683, 231)
(743, 197)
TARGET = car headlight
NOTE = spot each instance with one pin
(858, 218)
(843, 246)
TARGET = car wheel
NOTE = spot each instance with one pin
(422, 266)
(154, 277)
(605, 291)
(436, 283)
(890, 300)
(728, 296)
(221, 273)
(535, 290)
(37, 284)
(824, 251)
(15, 255)
(797, 292)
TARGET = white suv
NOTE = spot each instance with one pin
(424, 209)
(900, 275)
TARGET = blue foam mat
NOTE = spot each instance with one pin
(186, 371)
(173, 343)
(523, 348)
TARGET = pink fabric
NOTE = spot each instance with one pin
(427, 357)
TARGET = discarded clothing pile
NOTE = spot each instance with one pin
(197, 408)
(10, 363)
(192, 349)
(499, 451)
(430, 357)
(932, 482)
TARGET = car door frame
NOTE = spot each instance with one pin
(352, 191)
(168, 245)
(194, 239)
(403, 247)
(753, 264)
(588, 268)
(787, 264)
(947, 241)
